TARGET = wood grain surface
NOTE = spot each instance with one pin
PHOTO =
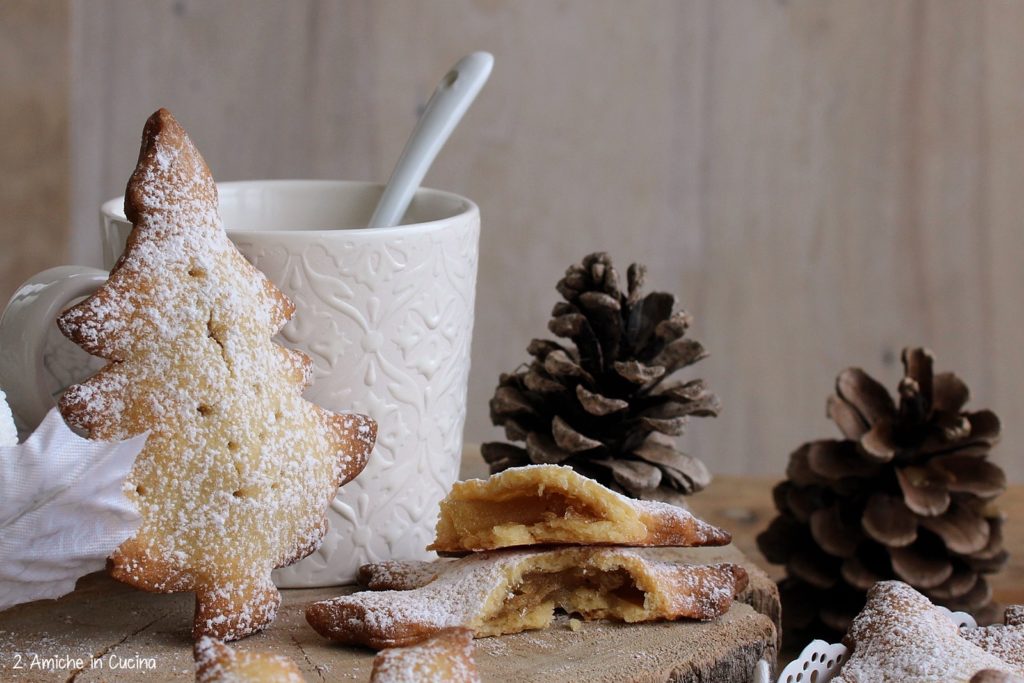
(820, 183)
(110, 623)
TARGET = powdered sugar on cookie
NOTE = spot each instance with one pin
(218, 663)
(900, 636)
(445, 658)
(399, 575)
(238, 469)
(1005, 640)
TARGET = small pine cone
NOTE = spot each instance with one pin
(602, 404)
(907, 495)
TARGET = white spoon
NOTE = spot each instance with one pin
(443, 112)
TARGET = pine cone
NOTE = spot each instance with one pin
(602, 405)
(905, 495)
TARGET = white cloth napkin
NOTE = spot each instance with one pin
(62, 508)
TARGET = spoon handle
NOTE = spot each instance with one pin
(449, 102)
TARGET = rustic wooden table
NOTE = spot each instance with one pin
(111, 623)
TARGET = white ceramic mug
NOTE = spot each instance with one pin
(386, 315)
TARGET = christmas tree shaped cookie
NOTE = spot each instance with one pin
(238, 469)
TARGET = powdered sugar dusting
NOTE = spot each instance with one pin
(238, 469)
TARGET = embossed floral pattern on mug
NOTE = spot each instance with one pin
(390, 322)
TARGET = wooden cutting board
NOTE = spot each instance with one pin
(117, 626)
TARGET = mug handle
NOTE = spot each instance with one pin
(24, 325)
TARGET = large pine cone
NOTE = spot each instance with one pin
(905, 495)
(602, 405)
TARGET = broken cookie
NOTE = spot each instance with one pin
(512, 591)
(447, 657)
(218, 663)
(540, 504)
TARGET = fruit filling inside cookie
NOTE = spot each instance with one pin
(528, 519)
(549, 504)
(593, 594)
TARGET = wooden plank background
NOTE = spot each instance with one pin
(34, 141)
(820, 183)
